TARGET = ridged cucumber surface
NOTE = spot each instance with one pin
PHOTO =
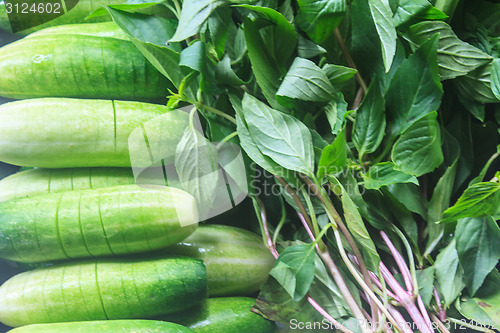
(237, 261)
(68, 133)
(82, 65)
(110, 221)
(100, 290)
(41, 181)
(114, 326)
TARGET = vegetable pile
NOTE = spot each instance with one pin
(370, 135)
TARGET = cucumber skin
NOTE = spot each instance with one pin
(103, 289)
(75, 15)
(41, 181)
(237, 261)
(75, 65)
(115, 326)
(102, 222)
(68, 133)
(224, 315)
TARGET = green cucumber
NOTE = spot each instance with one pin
(105, 30)
(102, 289)
(67, 133)
(78, 14)
(79, 65)
(237, 261)
(109, 221)
(115, 326)
(224, 315)
(41, 181)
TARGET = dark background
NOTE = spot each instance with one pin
(6, 269)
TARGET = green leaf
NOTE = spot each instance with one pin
(477, 85)
(294, 270)
(369, 127)
(449, 274)
(415, 89)
(129, 5)
(304, 81)
(480, 199)
(274, 303)
(247, 142)
(333, 157)
(425, 279)
(409, 10)
(193, 57)
(338, 74)
(225, 73)
(319, 18)
(383, 174)
(335, 112)
(382, 17)
(485, 307)
(283, 36)
(197, 166)
(495, 78)
(358, 229)
(267, 69)
(279, 136)
(418, 150)
(218, 28)
(478, 247)
(194, 14)
(308, 49)
(150, 34)
(440, 200)
(455, 57)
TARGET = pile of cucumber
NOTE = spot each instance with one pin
(102, 253)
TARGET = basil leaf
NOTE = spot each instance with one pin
(358, 229)
(194, 14)
(449, 274)
(304, 81)
(294, 270)
(319, 18)
(369, 127)
(150, 34)
(415, 89)
(480, 199)
(382, 17)
(383, 174)
(478, 247)
(484, 308)
(418, 150)
(279, 136)
(455, 57)
(333, 157)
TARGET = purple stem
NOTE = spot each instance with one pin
(272, 248)
(325, 314)
(400, 262)
(442, 312)
(423, 311)
(406, 300)
(375, 279)
(399, 318)
(304, 222)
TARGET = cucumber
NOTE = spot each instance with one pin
(105, 30)
(102, 289)
(41, 181)
(115, 326)
(224, 315)
(102, 222)
(78, 13)
(79, 65)
(237, 261)
(67, 133)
